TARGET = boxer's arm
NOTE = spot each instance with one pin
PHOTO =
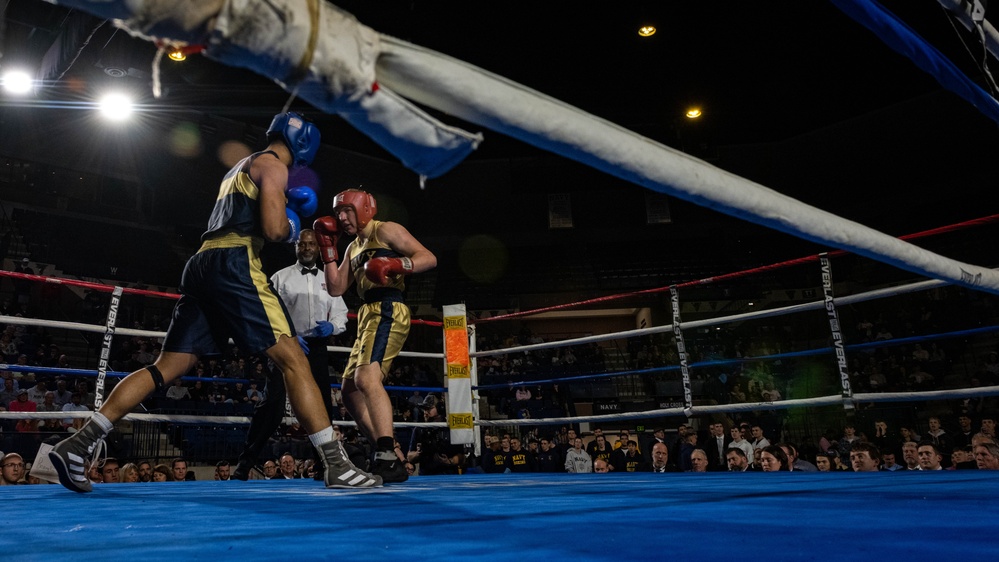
(400, 240)
(271, 177)
(339, 278)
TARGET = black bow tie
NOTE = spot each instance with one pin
(306, 271)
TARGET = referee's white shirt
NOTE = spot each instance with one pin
(305, 296)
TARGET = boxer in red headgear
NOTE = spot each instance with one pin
(378, 260)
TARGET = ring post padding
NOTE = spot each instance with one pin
(459, 382)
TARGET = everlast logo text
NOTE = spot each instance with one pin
(457, 371)
(681, 347)
(102, 365)
(454, 322)
(834, 327)
(459, 421)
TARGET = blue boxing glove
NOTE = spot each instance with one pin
(323, 329)
(294, 225)
(302, 200)
(301, 342)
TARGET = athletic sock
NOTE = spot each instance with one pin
(322, 437)
(385, 444)
(103, 422)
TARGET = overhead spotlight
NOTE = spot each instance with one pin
(177, 55)
(16, 82)
(116, 107)
(693, 113)
(647, 30)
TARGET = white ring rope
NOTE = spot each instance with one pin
(769, 313)
(152, 334)
(657, 413)
(647, 414)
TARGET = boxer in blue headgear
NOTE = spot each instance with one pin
(225, 294)
(301, 136)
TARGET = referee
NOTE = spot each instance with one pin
(316, 316)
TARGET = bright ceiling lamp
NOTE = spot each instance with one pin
(647, 30)
(116, 107)
(16, 82)
(693, 113)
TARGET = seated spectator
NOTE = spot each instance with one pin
(22, 404)
(774, 459)
(687, 447)
(223, 471)
(628, 459)
(145, 471)
(660, 458)
(48, 403)
(962, 458)
(987, 456)
(11, 470)
(128, 474)
(287, 468)
(576, 459)
(180, 472)
(929, 457)
(865, 457)
(602, 466)
(75, 405)
(62, 393)
(739, 442)
(110, 471)
(270, 469)
(253, 395)
(518, 459)
(888, 463)
(198, 392)
(698, 461)
(824, 461)
(736, 460)
(599, 448)
(792, 458)
(548, 459)
(94, 474)
(494, 458)
(910, 455)
(162, 473)
(178, 391)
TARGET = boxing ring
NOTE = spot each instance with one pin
(588, 516)
(508, 516)
(512, 517)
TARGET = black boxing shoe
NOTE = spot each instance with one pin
(389, 467)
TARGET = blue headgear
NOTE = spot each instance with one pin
(301, 136)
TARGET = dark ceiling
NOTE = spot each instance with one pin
(795, 95)
(762, 71)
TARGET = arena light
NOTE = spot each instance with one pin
(647, 30)
(16, 82)
(693, 113)
(177, 55)
(116, 107)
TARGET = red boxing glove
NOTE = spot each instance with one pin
(378, 270)
(326, 235)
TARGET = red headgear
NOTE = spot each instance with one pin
(362, 202)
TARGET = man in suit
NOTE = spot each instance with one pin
(716, 446)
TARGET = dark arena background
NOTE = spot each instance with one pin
(595, 306)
